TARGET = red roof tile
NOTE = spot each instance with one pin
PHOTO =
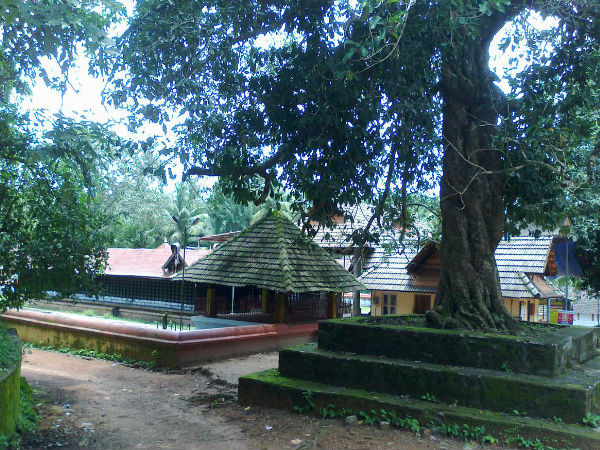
(146, 262)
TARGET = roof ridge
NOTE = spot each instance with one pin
(234, 239)
(283, 254)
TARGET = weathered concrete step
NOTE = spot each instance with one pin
(271, 389)
(570, 397)
(547, 353)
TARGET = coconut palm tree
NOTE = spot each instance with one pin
(188, 219)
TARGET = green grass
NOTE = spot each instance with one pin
(10, 351)
(98, 355)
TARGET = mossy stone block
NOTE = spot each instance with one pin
(10, 390)
(570, 397)
(548, 355)
(271, 389)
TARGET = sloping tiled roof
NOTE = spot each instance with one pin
(387, 272)
(583, 302)
(524, 254)
(145, 262)
(272, 254)
(221, 237)
(519, 257)
(521, 263)
(339, 235)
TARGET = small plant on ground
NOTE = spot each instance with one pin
(369, 417)
(592, 420)
(99, 355)
(309, 403)
(429, 397)
(466, 432)
(329, 411)
(522, 442)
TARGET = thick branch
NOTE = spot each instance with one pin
(257, 169)
(266, 190)
(388, 182)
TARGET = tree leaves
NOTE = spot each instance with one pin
(51, 233)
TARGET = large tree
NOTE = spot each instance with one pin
(343, 102)
(49, 220)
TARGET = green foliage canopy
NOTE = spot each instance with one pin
(346, 93)
(352, 100)
(49, 239)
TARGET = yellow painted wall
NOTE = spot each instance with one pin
(513, 305)
(72, 337)
(405, 303)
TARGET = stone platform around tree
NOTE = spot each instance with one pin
(537, 386)
(271, 389)
(546, 354)
(570, 396)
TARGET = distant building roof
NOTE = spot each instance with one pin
(584, 302)
(518, 259)
(221, 237)
(387, 271)
(272, 254)
(339, 236)
(522, 264)
(146, 262)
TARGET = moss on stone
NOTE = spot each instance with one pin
(480, 388)
(271, 389)
(546, 354)
(9, 383)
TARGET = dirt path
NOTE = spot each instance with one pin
(96, 404)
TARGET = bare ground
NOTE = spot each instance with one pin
(95, 404)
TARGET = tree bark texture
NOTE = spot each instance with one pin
(468, 294)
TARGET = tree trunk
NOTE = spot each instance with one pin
(358, 252)
(468, 294)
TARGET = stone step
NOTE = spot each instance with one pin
(570, 397)
(546, 353)
(271, 389)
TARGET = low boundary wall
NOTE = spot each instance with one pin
(10, 395)
(164, 347)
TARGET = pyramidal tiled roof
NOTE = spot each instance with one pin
(272, 254)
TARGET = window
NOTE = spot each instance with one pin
(393, 300)
(385, 304)
(376, 300)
